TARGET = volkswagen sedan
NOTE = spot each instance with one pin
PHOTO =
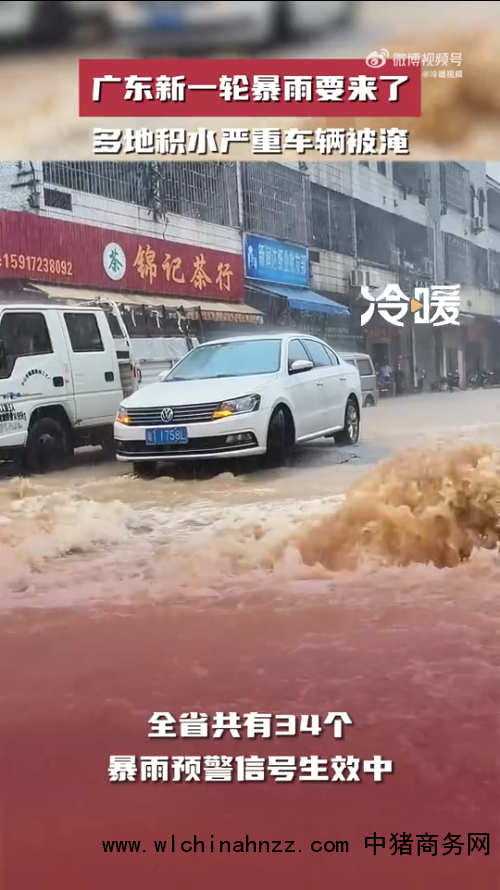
(241, 397)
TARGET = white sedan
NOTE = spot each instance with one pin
(241, 397)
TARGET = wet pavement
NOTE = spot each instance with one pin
(99, 512)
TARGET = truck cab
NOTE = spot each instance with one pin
(61, 382)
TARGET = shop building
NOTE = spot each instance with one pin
(470, 255)
(164, 288)
(278, 283)
(337, 226)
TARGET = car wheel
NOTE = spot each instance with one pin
(53, 23)
(281, 27)
(48, 447)
(279, 439)
(350, 433)
(145, 470)
(369, 402)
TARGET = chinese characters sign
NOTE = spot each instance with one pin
(276, 263)
(51, 251)
(437, 305)
(261, 140)
(256, 88)
(220, 767)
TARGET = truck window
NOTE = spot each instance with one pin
(114, 327)
(365, 367)
(22, 334)
(83, 330)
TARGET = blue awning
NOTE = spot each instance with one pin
(305, 300)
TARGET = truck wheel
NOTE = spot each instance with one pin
(48, 447)
(108, 446)
(350, 434)
(282, 26)
(145, 470)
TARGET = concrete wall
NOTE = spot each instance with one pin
(476, 300)
(106, 213)
(331, 274)
(380, 191)
(19, 187)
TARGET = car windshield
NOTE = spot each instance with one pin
(244, 358)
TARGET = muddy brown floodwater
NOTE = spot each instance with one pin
(339, 583)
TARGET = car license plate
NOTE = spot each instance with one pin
(176, 435)
(174, 20)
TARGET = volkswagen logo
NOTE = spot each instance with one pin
(167, 415)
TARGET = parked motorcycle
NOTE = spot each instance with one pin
(450, 383)
(453, 381)
(421, 381)
(483, 379)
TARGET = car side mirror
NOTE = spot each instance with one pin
(163, 376)
(299, 366)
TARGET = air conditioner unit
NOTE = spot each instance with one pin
(424, 187)
(478, 224)
(358, 278)
(372, 279)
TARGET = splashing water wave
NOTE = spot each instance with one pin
(430, 507)
(439, 509)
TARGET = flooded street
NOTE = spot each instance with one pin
(218, 525)
(266, 592)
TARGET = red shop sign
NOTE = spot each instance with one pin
(59, 252)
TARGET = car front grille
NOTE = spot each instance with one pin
(183, 414)
(206, 445)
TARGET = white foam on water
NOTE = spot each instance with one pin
(53, 544)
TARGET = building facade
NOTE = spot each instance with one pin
(326, 228)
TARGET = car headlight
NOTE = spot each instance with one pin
(122, 416)
(245, 405)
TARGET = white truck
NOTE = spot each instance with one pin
(64, 369)
(50, 22)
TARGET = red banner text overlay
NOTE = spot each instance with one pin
(265, 88)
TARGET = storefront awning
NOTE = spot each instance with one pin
(304, 300)
(211, 310)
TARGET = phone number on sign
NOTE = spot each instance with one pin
(22, 262)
